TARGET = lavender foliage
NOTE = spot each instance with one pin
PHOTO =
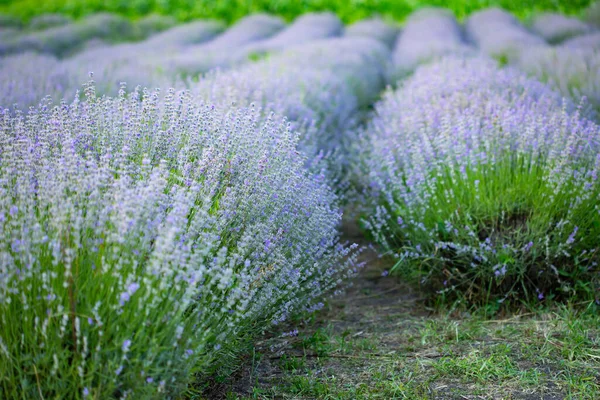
(484, 184)
(142, 238)
(555, 28)
(429, 34)
(374, 28)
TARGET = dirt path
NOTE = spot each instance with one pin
(378, 341)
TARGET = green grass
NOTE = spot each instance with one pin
(552, 353)
(381, 342)
(231, 10)
(512, 206)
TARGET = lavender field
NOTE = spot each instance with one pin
(303, 209)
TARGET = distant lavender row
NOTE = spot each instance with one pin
(306, 28)
(571, 68)
(26, 78)
(482, 184)
(153, 62)
(428, 34)
(46, 21)
(374, 28)
(572, 71)
(251, 39)
(588, 41)
(59, 35)
(144, 240)
(167, 58)
(499, 34)
(556, 28)
(321, 87)
(61, 40)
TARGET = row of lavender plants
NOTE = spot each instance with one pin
(58, 35)
(149, 236)
(483, 184)
(570, 66)
(169, 59)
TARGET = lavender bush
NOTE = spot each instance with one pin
(429, 34)
(499, 34)
(555, 28)
(374, 28)
(143, 240)
(485, 185)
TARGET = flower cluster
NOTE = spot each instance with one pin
(374, 28)
(484, 184)
(147, 235)
(429, 34)
(555, 28)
